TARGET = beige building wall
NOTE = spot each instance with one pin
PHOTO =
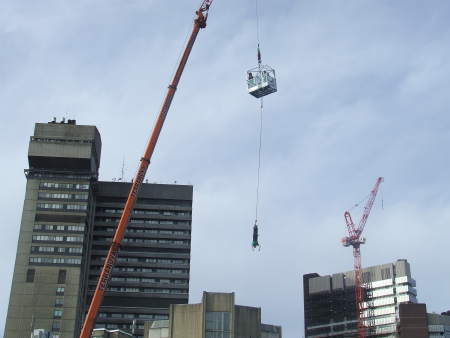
(186, 321)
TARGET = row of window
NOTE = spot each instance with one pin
(146, 231)
(147, 212)
(219, 334)
(50, 238)
(57, 249)
(143, 290)
(148, 280)
(142, 221)
(147, 270)
(156, 241)
(119, 326)
(52, 227)
(61, 206)
(55, 185)
(66, 196)
(152, 260)
(59, 140)
(55, 260)
(132, 316)
(62, 275)
(145, 240)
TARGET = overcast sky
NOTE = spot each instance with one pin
(363, 92)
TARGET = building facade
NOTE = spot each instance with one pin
(48, 285)
(217, 316)
(413, 320)
(438, 325)
(329, 301)
(67, 223)
(152, 270)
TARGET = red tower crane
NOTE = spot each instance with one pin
(105, 275)
(355, 240)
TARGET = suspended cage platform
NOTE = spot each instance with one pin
(261, 81)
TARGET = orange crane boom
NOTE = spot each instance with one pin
(105, 275)
(355, 240)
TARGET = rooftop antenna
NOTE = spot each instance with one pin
(123, 169)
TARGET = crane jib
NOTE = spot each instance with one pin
(199, 22)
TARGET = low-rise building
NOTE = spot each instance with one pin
(217, 316)
(438, 325)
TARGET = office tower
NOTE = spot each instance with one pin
(68, 220)
(152, 270)
(217, 316)
(329, 301)
(48, 285)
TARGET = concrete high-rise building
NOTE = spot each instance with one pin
(329, 301)
(48, 286)
(67, 223)
(152, 270)
(216, 316)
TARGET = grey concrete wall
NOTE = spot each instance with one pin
(402, 268)
(247, 322)
(186, 321)
(52, 143)
(337, 281)
(320, 284)
(218, 301)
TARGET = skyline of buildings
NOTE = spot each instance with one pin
(69, 218)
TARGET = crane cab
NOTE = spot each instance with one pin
(261, 81)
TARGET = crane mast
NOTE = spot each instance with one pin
(105, 275)
(355, 240)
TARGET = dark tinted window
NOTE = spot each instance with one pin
(62, 276)
(30, 276)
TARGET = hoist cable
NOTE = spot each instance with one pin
(259, 159)
(257, 21)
